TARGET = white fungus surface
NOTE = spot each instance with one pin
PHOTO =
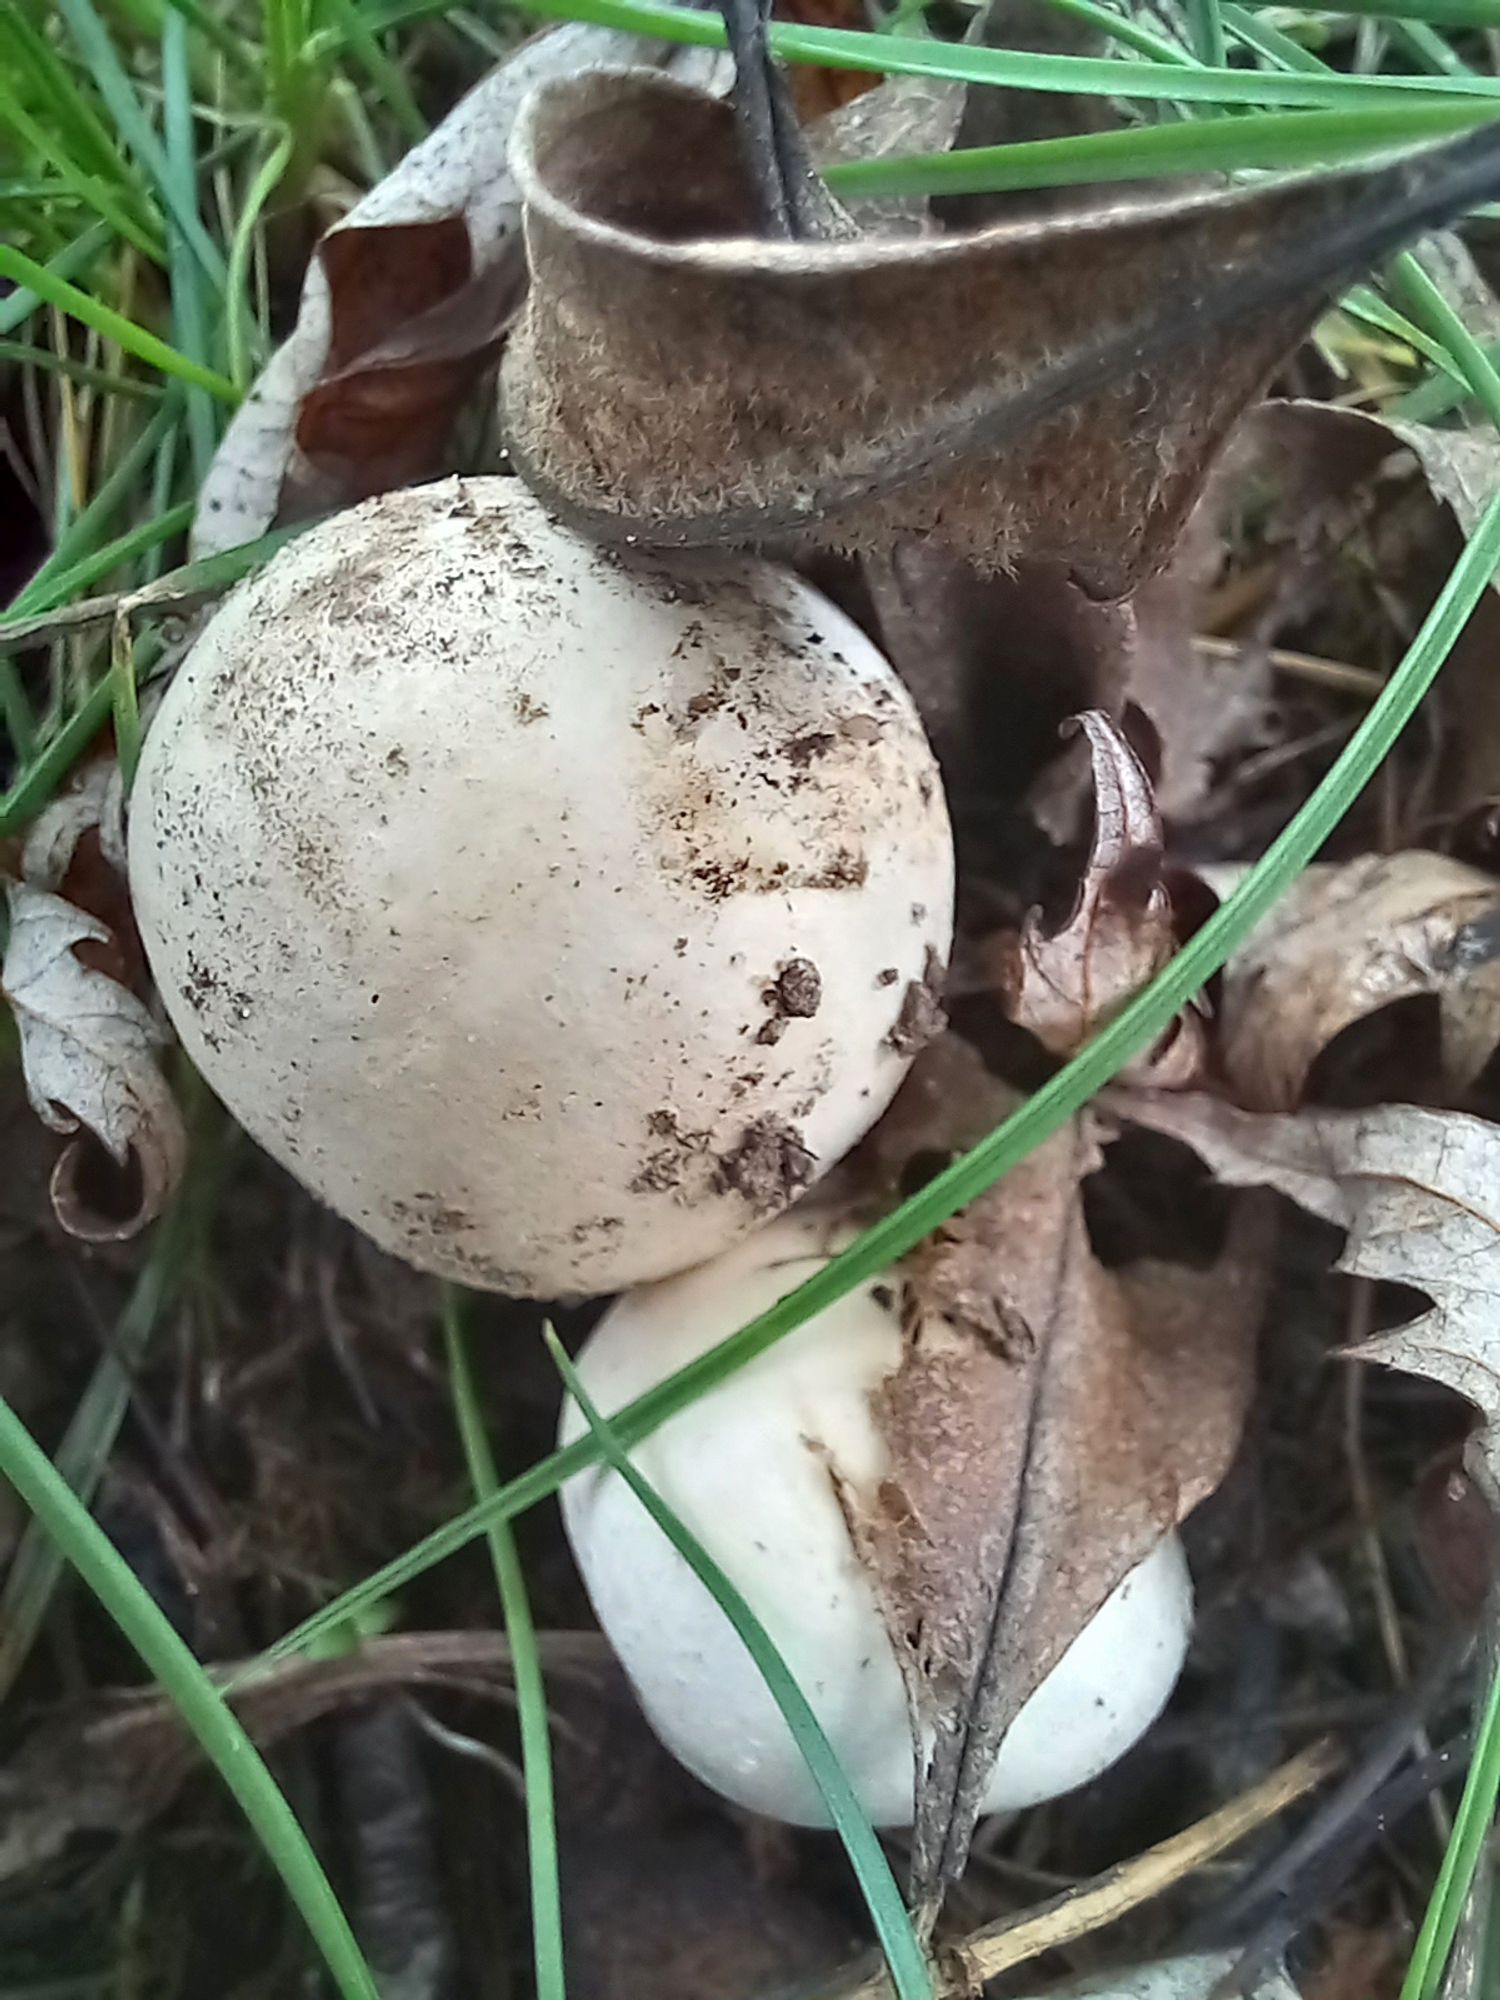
(554, 915)
(747, 1468)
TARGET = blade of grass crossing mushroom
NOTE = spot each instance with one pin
(193, 1694)
(72, 582)
(1132, 1030)
(526, 1666)
(194, 583)
(911, 1974)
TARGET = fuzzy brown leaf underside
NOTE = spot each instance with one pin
(676, 381)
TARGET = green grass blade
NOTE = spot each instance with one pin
(135, 128)
(51, 765)
(1133, 1030)
(203, 21)
(78, 371)
(41, 778)
(1466, 1850)
(69, 263)
(190, 300)
(1208, 32)
(1360, 303)
(1121, 28)
(1442, 13)
(70, 113)
(86, 1448)
(243, 344)
(386, 75)
(526, 1667)
(1427, 48)
(1268, 41)
(89, 528)
(90, 188)
(1267, 140)
(193, 1694)
(1092, 76)
(911, 1974)
(14, 264)
(64, 585)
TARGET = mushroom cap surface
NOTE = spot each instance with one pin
(748, 1468)
(554, 914)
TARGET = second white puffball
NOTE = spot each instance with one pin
(749, 1469)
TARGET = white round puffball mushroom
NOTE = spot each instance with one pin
(748, 1468)
(556, 915)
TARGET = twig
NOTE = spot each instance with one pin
(1313, 1891)
(1330, 1824)
(1338, 674)
(1064, 1919)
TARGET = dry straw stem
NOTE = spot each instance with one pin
(966, 1967)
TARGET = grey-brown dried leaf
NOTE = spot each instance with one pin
(1042, 1438)
(904, 114)
(1418, 1193)
(1065, 984)
(677, 381)
(89, 1043)
(89, 1055)
(1345, 942)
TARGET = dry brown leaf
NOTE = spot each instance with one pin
(1418, 1193)
(676, 381)
(1042, 1437)
(905, 114)
(88, 1043)
(452, 200)
(1065, 984)
(1345, 942)
(412, 329)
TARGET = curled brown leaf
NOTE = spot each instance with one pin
(89, 1044)
(1346, 942)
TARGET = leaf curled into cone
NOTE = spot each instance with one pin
(675, 380)
(1050, 1421)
